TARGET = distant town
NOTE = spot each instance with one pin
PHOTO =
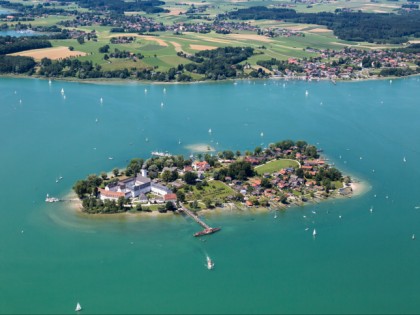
(286, 173)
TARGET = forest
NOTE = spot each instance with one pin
(9, 44)
(120, 6)
(352, 26)
(220, 63)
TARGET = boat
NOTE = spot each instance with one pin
(314, 233)
(413, 237)
(262, 134)
(157, 153)
(404, 159)
(207, 232)
(49, 82)
(51, 199)
(210, 130)
(306, 93)
(210, 263)
(164, 90)
(78, 307)
(62, 91)
(101, 100)
(161, 104)
(145, 90)
(110, 158)
(96, 120)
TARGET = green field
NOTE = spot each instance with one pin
(275, 166)
(215, 190)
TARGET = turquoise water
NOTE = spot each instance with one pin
(17, 34)
(51, 258)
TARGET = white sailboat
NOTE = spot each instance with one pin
(62, 91)
(306, 93)
(413, 237)
(210, 263)
(49, 82)
(210, 130)
(101, 100)
(314, 233)
(164, 90)
(404, 159)
(161, 104)
(78, 307)
(262, 134)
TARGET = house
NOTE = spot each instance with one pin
(170, 197)
(160, 189)
(111, 195)
(201, 166)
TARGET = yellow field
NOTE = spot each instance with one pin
(51, 53)
(201, 47)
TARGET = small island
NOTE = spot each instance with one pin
(284, 174)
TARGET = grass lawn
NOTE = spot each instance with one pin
(275, 166)
(215, 190)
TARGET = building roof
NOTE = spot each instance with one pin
(143, 179)
(111, 194)
(169, 197)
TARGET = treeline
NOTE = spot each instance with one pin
(398, 72)
(280, 65)
(120, 6)
(412, 49)
(9, 44)
(352, 26)
(17, 64)
(220, 63)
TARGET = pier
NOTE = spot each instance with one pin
(207, 229)
(53, 199)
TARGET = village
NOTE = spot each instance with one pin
(284, 174)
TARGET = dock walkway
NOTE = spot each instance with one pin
(207, 229)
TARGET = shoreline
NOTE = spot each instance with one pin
(104, 81)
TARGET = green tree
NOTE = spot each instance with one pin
(115, 171)
(135, 166)
(207, 203)
(265, 182)
(170, 206)
(180, 196)
(166, 176)
(190, 178)
(81, 40)
(80, 188)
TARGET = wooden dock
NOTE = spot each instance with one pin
(207, 229)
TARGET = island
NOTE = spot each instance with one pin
(284, 174)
